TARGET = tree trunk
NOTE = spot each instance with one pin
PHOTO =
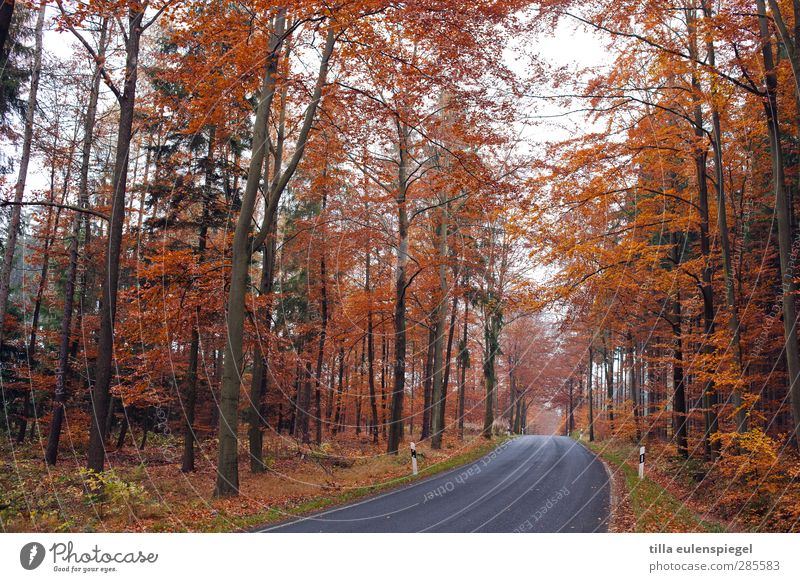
(258, 384)
(706, 289)
(608, 361)
(491, 335)
(227, 482)
(323, 307)
(512, 392)
(463, 362)
(438, 344)
(50, 227)
(190, 395)
(22, 175)
(371, 355)
(591, 396)
(632, 380)
(427, 385)
(79, 220)
(782, 210)
(304, 408)
(6, 15)
(680, 427)
(401, 283)
(339, 391)
(105, 348)
(724, 237)
(123, 429)
(227, 458)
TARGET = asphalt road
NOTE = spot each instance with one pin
(529, 484)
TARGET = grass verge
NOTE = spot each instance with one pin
(649, 506)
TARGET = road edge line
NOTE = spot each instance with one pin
(613, 497)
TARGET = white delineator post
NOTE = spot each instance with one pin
(413, 459)
(641, 462)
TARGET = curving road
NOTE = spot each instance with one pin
(529, 484)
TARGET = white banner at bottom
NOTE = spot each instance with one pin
(399, 557)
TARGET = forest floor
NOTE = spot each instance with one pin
(146, 491)
(661, 502)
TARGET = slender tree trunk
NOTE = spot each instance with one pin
(227, 458)
(371, 356)
(190, 394)
(401, 283)
(259, 381)
(724, 237)
(632, 380)
(105, 348)
(706, 289)
(339, 392)
(123, 429)
(62, 370)
(359, 385)
(384, 366)
(512, 392)
(569, 421)
(427, 385)
(22, 175)
(608, 360)
(304, 409)
(50, 227)
(439, 395)
(591, 396)
(145, 430)
(227, 455)
(785, 236)
(463, 362)
(323, 306)
(6, 15)
(680, 426)
(260, 377)
(448, 357)
(491, 337)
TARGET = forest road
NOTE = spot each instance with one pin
(528, 484)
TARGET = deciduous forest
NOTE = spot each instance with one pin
(252, 250)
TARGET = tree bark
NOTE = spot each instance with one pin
(78, 221)
(227, 458)
(401, 283)
(706, 289)
(6, 15)
(491, 336)
(591, 396)
(785, 235)
(371, 354)
(463, 362)
(190, 395)
(22, 175)
(438, 344)
(680, 420)
(608, 365)
(105, 348)
(724, 237)
(427, 385)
